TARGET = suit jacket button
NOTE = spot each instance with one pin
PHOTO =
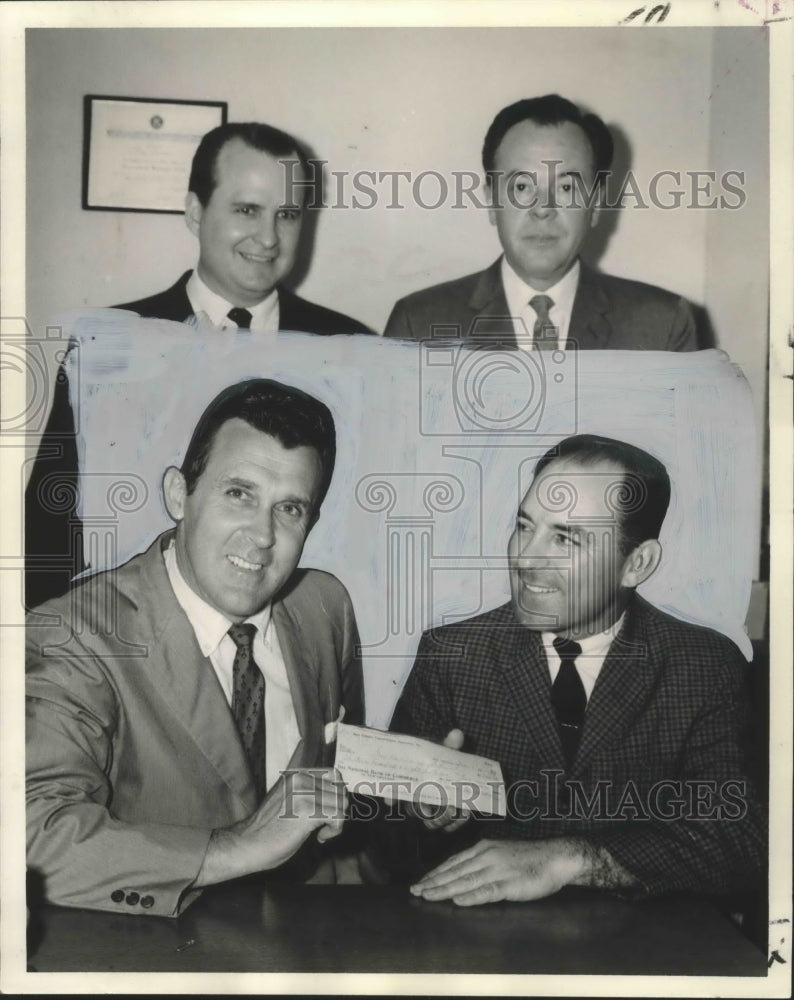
(147, 901)
(117, 895)
(132, 898)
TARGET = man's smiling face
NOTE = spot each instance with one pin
(567, 570)
(249, 229)
(241, 531)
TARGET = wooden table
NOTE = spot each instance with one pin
(327, 929)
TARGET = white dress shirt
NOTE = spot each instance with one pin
(211, 628)
(518, 293)
(208, 305)
(590, 661)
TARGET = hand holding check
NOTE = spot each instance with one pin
(446, 818)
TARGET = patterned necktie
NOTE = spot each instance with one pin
(568, 697)
(248, 702)
(544, 332)
(242, 317)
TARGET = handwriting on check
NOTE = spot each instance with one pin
(391, 766)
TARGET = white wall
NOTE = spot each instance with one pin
(737, 287)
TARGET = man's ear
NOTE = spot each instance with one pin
(193, 212)
(174, 491)
(641, 563)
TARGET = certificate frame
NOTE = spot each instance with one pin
(137, 151)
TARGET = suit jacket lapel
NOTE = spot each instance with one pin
(487, 301)
(291, 312)
(188, 682)
(181, 303)
(522, 660)
(488, 294)
(590, 327)
(623, 684)
(303, 685)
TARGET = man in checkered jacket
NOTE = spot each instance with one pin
(619, 728)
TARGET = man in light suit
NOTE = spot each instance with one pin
(166, 698)
(545, 164)
(618, 727)
(245, 207)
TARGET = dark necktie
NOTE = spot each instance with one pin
(248, 702)
(544, 332)
(568, 697)
(242, 317)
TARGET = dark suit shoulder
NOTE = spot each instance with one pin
(470, 632)
(171, 304)
(303, 316)
(623, 314)
(456, 288)
(451, 305)
(697, 652)
(627, 290)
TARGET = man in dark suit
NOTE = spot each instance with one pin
(245, 207)
(545, 164)
(618, 727)
(166, 699)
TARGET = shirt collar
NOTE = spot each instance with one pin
(264, 315)
(209, 624)
(592, 645)
(518, 292)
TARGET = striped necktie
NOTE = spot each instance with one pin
(544, 333)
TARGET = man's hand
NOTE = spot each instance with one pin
(518, 870)
(503, 869)
(300, 802)
(446, 818)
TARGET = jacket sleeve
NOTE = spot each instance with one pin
(704, 830)
(86, 856)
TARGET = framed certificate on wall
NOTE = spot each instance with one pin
(137, 151)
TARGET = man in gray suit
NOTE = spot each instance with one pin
(174, 704)
(545, 164)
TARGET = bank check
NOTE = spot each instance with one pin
(394, 766)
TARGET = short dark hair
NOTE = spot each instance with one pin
(551, 109)
(257, 135)
(642, 502)
(292, 417)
